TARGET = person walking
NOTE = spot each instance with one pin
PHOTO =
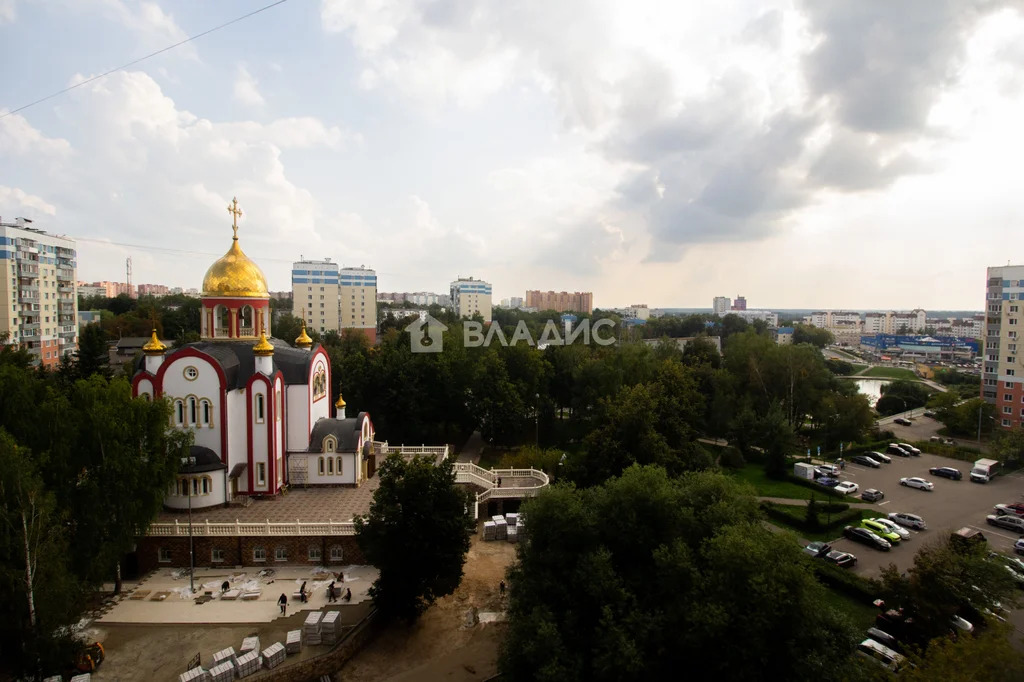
(283, 603)
(348, 594)
(501, 588)
(330, 593)
(302, 592)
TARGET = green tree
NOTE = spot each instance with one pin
(93, 355)
(1008, 445)
(417, 511)
(988, 655)
(640, 577)
(902, 395)
(817, 337)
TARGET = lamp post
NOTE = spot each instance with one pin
(190, 461)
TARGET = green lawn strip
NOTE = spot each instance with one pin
(798, 512)
(490, 457)
(890, 373)
(769, 487)
(860, 613)
(857, 369)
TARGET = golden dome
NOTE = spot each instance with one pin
(263, 347)
(154, 346)
(234, 275)
(341, 402)
(303, 340)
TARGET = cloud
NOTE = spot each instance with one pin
(247, 88)
(8, 12)
(13, 199)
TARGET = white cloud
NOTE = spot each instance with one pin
(13, 199)
(247, 88)
(8, 12)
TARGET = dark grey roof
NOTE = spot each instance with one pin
(206, 460)
(345, 430)
(140, 341)
(237, 470)
(239, 364)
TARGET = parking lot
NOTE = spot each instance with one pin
(951, 505)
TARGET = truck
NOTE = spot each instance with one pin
(802, 470)
(984, 470)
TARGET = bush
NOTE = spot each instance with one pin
(811, 519)
(846, 581)
(960, 452)
(796, 516)
(731, 458)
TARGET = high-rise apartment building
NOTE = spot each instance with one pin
(740, 303)
(1002, 379)
(721, 305)
(357, 297)
(38, 302)
(470, 297)
(561, 301)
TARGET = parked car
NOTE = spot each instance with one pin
(910, 448)
(961, 624)
(1018, 546)
(1009, 510)
(879, 457)
(1014, 523)
(847, 488)
(872, 495)
(866, 537)
(940, 439)
(883, 637)
(908, 520)
(894, 449)
(826, 470)
(902, 421)
(881, 654)
(828, 482)
(930, 415)
(881, 531)
(866, 461)
(917, 482)
(841, 559)
(946, 472)
(893, 527)
(818, 548)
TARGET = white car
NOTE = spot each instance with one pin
(847, 488)
(919, 483)
(961, 624)
(894, 527)
(909, 520)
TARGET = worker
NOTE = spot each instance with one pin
(283, 603)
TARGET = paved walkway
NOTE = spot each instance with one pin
(470, 452)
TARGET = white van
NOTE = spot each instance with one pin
(869, 648)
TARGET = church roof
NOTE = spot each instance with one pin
(206, 460)
(345, 430)
(238, 361)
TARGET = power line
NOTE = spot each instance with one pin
(142, 59)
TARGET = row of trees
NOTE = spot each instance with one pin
(83, 468)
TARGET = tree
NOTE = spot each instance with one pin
(640, 577)
(416, 512)
(988, 655)
(1008, 445)
(93, 355)
(817, 337)
(902, 395)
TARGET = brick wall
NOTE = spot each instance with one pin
(239, 551)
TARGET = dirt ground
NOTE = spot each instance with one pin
(440, 646)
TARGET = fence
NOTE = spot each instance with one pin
(245, 529)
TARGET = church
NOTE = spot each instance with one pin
(260, 409)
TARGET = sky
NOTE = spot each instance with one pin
(805, 153)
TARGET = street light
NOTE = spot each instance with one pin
(190, 461)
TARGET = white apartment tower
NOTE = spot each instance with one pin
(1002, 379)
(38, 301)
(470, 297)
(721, 305)
(333, 298)
(357, 296)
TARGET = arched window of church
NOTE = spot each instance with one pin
(207, 485)
(193, 411)
(320, 466)
(338, 469)
(179, 412)
(223, 321)
(277, 413)
(207, 413)
(328, 444)
(195, 486)
(260, 408)
(246, 321)
(330, 466)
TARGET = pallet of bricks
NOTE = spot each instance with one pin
(273, 655)
(513, 527)
(500, 527)
(311, 628)
(248, 663)
(329, 627)
(84, 677)
(225, 663)
(293, 642)
(489, 530)
(194, 675)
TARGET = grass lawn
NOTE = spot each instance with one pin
(769, 487)
(826, 534)
(890, 373)
(862, 615)
(490, 457)
(857, 369)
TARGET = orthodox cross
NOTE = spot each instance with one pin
(237, 213)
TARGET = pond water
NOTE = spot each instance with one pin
(872, 388)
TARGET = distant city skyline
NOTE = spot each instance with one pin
(648, 151)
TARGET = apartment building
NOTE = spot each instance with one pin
(561, 301)
(751, 315)
(153, 290)
(1002, 379)
(740, 303)
(720, 305)
(470, 297)
(38, 301)
(315, 294)
(357, 296)
(892, 322)
(107, 289)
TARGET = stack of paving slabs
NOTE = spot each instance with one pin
(329, 627)
(225, 672)
(489, 530)
(293, 642)
(55, 678)
(311, 628)
(248, 664)
(250, 644)
(500, 528)
(193, 675)
(227, 655)
(520, 528)
(273, 655)
(84, 677)
(512, 534)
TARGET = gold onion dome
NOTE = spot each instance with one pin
(303, 340)
(341, 402)
(234, 275)
(154, 345)
(263, 347)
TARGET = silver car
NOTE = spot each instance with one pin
(909, 520)
(916, 482)
(893, 527)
